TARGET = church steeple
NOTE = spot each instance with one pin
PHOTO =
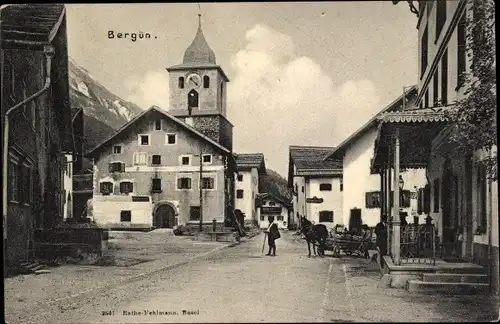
(199, 52)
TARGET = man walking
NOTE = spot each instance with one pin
(272, 235)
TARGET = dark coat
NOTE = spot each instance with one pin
(274, 233)
(381, 232)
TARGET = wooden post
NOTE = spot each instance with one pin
(396, 220)
(388, 189)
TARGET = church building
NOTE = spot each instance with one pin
(176, 167)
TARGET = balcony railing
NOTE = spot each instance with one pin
(418, 243)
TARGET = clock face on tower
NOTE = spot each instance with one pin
(194, 80)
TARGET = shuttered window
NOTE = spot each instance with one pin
(184, 183)
(126, 187)
(106, 188)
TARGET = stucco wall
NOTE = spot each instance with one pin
(299, 206)
(247, 203)
(213, 201)
(332, 200)
(106, 212)
(358, 181)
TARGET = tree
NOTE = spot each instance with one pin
(474, 115)
(413, 9)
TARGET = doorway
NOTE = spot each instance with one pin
(450, 203)
(164, 216)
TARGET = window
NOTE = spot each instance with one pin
(325, 187)
(326, 216)
(435, 88)
(426, 99)
(372, 199)
(280, 218)
(206, 81)
(14, 182)
(126, 187)
(240, 177)
(302, 188)
(444, 78)
(461, 51)
(158, 124)
(184, 183)
(192, 99)
(156, 160)
(117, 149)
(272, 203)
(125, 216)
(171, 139)
(140, 158)
(156, 185)
(181, 83)
(186, 160)
(423, 49)
(481, 191)
(106, 188)
(194, 213)
(262, 218)
(440, 16)
(143, 140)
(207, 159)
(208, 183)
(436, 189)
(221, 93)
(239, 193)
(341, 185)
(116, 167)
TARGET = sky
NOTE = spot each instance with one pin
(300, 73)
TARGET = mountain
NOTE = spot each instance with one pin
(97, 101)
(274, 184)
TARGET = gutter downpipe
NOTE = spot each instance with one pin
(49, 52)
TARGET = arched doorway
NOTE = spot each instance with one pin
(164, 216)
(449, 202)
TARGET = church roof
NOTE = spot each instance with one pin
(199, 52)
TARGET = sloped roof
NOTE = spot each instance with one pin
(395, 105)
(250, 160)
(313, 158)
(30, 25)
(166, 114)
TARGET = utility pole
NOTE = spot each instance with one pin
(201, 190)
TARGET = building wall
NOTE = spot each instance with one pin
(299, 205)
(106, 207)
(332, 200)
(264, 217)
(210, 100)
(213, 201)
(358, 181)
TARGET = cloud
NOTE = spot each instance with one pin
(277, 99)
(149, 89)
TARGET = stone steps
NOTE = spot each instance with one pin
(455, 277)
(451, 288)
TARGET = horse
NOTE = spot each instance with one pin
(317, 233)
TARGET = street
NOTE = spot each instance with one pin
(240, 284)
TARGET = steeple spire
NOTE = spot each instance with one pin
(199, 52)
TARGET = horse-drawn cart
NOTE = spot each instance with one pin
(349, 243)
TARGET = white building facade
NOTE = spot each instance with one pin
(271, 208)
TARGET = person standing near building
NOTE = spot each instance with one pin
(272, 235)
(381, 233)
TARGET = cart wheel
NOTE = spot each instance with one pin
(348, 252)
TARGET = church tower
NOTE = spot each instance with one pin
(198, 91)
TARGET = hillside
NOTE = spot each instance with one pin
(97, 101)
(274, 184)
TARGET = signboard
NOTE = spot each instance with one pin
(314, 200)
(270, 210)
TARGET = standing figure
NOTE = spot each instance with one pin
(381, 233)
(272, 235)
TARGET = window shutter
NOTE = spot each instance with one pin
(427, 199)
(367, 200)
(189, 183)
(122, 169)
(110, 166)
(131, 186)
(179, 183)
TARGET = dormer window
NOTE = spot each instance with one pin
(206, 82)
(181, 83)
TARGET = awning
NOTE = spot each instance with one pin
(417, 128)
(30, 26)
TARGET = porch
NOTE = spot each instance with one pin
(416, 253)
